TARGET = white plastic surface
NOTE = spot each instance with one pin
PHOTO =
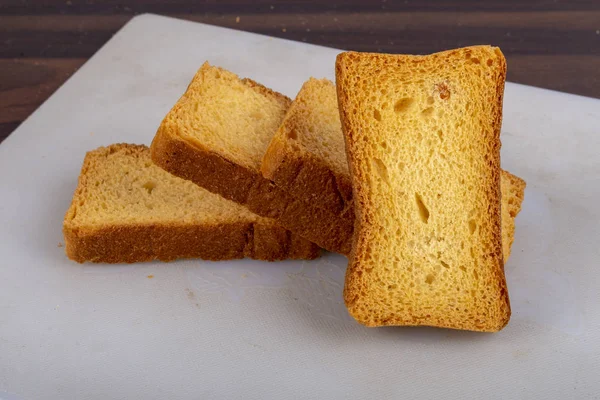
(247, 329)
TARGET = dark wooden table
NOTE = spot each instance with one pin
(548, 43)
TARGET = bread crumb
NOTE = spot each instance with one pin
(237, 20)
(150, 276)
(283, 30)
(60, 244)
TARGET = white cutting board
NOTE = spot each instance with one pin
(250, 330)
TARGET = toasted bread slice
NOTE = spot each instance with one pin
(310, 140)
(422, 137)
(126, 209)
(216, 136)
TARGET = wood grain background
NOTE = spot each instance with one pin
(548, 43)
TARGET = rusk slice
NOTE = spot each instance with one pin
(126, 209)
(423, 142)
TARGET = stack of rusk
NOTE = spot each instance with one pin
(396, 166)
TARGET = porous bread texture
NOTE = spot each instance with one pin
(197, 141)
(513, 193)
(126, 209)
(310, 138)
(231, 116)
(313, 121)
(121, 185)
(422, 138)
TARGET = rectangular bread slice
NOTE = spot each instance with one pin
(216, 136)
(310, 139)
(126, 209)
(422, 137)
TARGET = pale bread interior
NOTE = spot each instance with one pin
(121, 186)
(313, 123)
(422, 133)
(233, 117)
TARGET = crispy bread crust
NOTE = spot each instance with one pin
(355, 283)
(496, 201)
(304, 175)
(137, 243)
(242, 185)
(167, 242)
